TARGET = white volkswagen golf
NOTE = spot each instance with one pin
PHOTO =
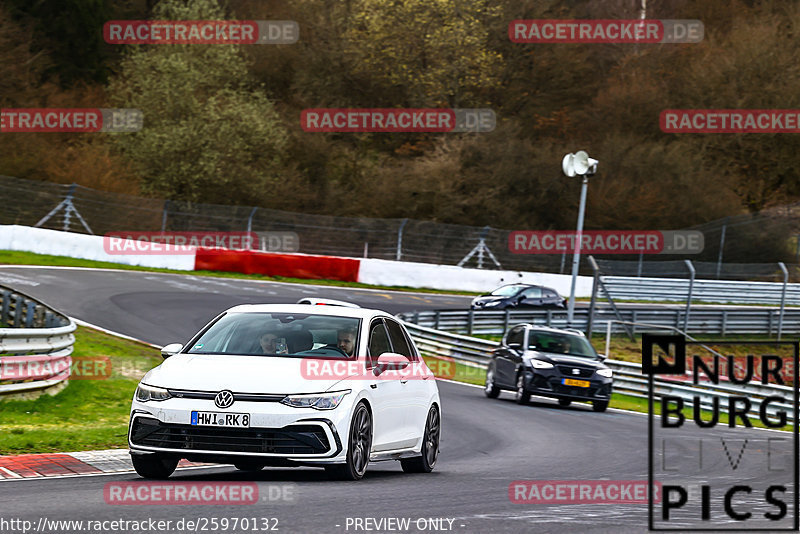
(287, 385)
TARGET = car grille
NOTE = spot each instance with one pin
(295, 439)
(567, 371)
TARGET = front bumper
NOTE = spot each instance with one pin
(550, 384)
(276, 432)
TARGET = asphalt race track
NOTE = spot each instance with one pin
(486, 444)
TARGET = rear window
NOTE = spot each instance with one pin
(561, 344)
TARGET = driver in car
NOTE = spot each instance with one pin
(346, 340)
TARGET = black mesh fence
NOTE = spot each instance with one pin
(751, 245)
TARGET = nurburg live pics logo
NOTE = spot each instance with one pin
(718, 475)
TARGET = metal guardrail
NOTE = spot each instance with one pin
(628, 377)
(722, 291)
(35, 343)
(701, 321)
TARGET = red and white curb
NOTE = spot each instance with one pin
(66, 464)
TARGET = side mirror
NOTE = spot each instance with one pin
(390, 360)
(515, 346)
(169, 350)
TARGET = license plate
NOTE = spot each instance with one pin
(221, 419)
(576, 383)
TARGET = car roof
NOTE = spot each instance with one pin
(337, 311)
(522, 284)
(326, 302)
(542, 328)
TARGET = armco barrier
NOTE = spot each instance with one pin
(628, 377)
(722, 291)
(35, 344)
(722, 321)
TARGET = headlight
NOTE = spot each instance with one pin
(146, 393)
(491, 303)
(539, 364)
(605, 372)
(319, 401)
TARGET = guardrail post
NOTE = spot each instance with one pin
(4, 314)
(505, 321)
(608, 338)
(549, 318)
(593, 301)
(724, 322)
(633, 320)
(30, 310)
(19, 304)
(436, 320)
(783, 297)
(721, 246)
(470, 319)
(689, 296)
(416, 317)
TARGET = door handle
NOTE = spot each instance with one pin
(403, 380)
(374, 386)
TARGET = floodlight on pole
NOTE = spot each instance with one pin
(578, 164)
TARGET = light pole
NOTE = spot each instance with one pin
(582, 165)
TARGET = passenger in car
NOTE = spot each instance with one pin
(272, 344)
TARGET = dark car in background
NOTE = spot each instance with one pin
(549, 362)
(519, 296)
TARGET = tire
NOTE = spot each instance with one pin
(246, 466)
(522, 395)
(154, 466)
(564, 402)
(599, 406)
(490, 389)
(430, 446)
(359, 445)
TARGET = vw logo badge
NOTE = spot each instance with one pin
(223, 399)
(574, 372)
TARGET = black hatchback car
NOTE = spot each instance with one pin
(549, 362)
(519, 296)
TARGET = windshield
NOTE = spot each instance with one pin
(561, 344)
(506, 291)
(280, 334)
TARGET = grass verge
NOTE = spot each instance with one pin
(14, 257)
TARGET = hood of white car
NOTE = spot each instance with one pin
(240, 374)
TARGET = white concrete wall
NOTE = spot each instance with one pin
(87, 247)
(427, 275)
